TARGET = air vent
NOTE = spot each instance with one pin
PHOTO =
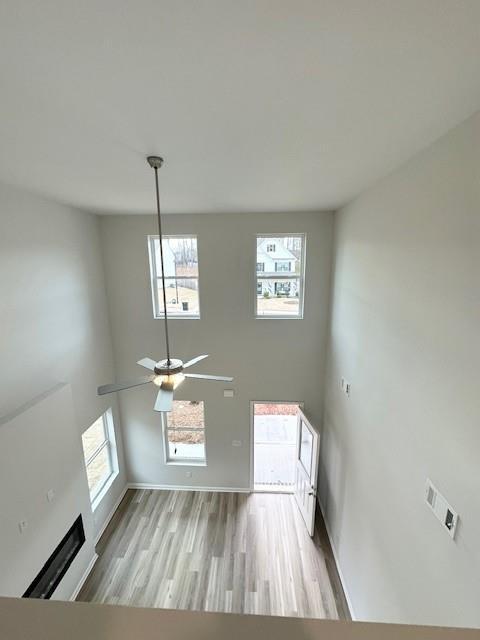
(442, 510)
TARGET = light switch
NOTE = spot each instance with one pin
(228, 393)
(236, 443)
(51, 495)
(22, 525)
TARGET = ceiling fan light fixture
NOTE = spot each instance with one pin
(171, 381)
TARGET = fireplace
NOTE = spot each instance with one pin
(56, 566)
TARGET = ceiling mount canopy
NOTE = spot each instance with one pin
(155, 161)
(168, 372)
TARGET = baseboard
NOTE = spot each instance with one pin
(111, 514)
(84, 577)
(172, 487)
(335, 557)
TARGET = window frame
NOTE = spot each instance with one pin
(183, 461)
(284, 275)
(110, 444)
(155, 277)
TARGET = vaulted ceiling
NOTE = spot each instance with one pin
(257, 105)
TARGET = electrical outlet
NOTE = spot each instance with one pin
(188, 474)
(236, 443)
(228, 393)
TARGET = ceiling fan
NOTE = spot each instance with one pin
(167, 374)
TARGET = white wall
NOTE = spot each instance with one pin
(270, 359)
(405, 333)
(53, 312)
(41, 451)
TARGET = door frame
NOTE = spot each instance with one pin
(252, 432)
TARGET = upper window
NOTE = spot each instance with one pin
(180, 259)
(185, 432)
(100, 454)
(280, 280)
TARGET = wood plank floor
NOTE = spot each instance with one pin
(227, 552)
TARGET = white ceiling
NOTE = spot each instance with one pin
(257, 105)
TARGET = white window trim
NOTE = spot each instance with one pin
(110, 443)
(184, 462)
(284, 275)
(154, 277)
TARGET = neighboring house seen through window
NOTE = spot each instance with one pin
(100, 455)
(184, 431)
(280, 276)
(180, 259)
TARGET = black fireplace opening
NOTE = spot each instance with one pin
(56, 566)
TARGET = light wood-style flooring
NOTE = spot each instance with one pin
(227, 552)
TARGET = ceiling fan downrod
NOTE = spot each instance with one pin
(156, 162)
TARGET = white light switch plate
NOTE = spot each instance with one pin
(22, 525)
(228, 393)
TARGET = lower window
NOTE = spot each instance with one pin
(184, 430)
(99, 453)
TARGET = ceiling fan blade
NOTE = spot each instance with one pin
(148, 363)
(204, 376)
(194, 361)
(164, 401)
(118, 386)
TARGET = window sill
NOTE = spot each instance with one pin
(257, 317)
(103, 491)
(186, 463)
(177, 317)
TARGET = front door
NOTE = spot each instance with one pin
(308, 450)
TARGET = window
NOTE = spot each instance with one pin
(180, 259)
(282, 288)
(280, 280)
(283, 265)
(184, 429)
(100, 455)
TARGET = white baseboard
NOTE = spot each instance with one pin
(172, 487)
(84, 577)
(111, 514)
(335, 556)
